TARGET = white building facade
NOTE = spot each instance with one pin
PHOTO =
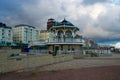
(25, 34)
(6, 35)
(44, 35)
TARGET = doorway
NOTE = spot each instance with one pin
(56, 49)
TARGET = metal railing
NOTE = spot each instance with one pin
(83, 52)
(38, 51)
(65, 40)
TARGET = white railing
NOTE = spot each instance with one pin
(83, 52)
(65, 40)
(39, 51)
(69, 52)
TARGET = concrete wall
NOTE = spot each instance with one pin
(8, 64)
(2, 60)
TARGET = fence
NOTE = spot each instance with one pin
(39, 51)
(83, 51)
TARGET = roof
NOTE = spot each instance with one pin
(24, 25)
(64, 24)
(2, 25)
(6, 27)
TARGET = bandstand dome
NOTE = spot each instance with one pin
(64, 24)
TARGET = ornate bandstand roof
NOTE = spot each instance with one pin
(64, 24)
(67, 23)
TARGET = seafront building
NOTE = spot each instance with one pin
(51, 22)
(44, 35)
(6, 35)
(59, 38)
(63, 37)
(27, 51)
(24, 34)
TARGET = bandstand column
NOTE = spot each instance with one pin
(56, 32)
(64, 31)
(73, 33)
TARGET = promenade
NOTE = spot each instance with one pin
(89, 68)
(84, 63)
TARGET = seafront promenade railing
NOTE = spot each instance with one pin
(39, 51)
(83, 52)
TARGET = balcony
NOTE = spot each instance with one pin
(65, 41)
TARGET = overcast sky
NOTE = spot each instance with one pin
(97, 19)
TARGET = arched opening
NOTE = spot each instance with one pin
(60, 35)
(68, 34)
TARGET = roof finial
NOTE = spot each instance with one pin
(64, 19)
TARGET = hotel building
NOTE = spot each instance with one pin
(44, 35)
(25, 34)
(6, 35)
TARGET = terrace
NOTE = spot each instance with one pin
(65, 41)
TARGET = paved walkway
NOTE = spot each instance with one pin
(73, 71)
(82, 63)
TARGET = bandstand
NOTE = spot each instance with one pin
(64, 39)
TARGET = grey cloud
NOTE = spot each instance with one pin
(37, 12)
(12, 12)
(111, 21)
(90, 2)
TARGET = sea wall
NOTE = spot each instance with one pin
(8, 63)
